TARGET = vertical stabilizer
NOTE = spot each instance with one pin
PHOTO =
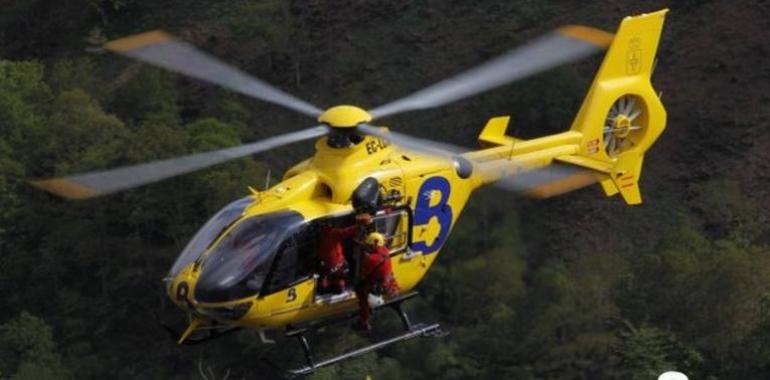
(622, 116)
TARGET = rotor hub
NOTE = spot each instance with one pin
(344, 116)
(624, 124)
(621, 126)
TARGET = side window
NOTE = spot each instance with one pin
(295, 260)
(394, 226)
(307, 257)
(284, 267)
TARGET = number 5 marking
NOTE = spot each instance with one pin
(292, 295)
(423, 212)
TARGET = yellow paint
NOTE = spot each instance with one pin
(344, 116)
(195, 322)
(609, 187)
(587, 162)
(626, 71)
(323, 184)
(493, 133)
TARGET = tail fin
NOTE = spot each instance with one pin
(622, 116)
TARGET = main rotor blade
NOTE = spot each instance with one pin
(103, 182)
(162, 50)
(547, 181)
(413, 143)
(563, 45)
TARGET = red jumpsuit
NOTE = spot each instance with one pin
(332, 256)
(376, 277)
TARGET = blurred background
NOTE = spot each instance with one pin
(575, 287)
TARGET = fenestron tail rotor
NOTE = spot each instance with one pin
(160, 49)
(561, 46)
(625, 121)
(93, 184)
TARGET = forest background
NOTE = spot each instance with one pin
(574, 287)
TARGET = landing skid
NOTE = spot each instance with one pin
(410, 331)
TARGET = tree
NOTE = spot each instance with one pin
(28, 351)
(646, 352)
(24, 99)
(79, 136)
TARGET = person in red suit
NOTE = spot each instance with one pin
(334, 266)
(375, 278)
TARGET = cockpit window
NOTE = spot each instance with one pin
(208, 233)
(240, 262)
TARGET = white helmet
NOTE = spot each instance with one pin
(375, 300)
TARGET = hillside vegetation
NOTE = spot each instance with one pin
(575, 287)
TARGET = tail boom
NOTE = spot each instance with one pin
(619, 120)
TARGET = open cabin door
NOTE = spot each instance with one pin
(393, 223)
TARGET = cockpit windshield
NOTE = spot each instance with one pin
(208, 233)
(239, 264)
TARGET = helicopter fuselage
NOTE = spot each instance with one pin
(432, 194)
(253, 264)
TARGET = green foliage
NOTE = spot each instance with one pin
(9, 210)
(23, 97)
(725, 211)
(86, 138)
(149, 96)
(78, 73)
(646, 352)
(497, 275)
(225, 106)
(23, 79)
(27, 349)
(267, 20)
(229, 180)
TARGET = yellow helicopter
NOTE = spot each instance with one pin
(253, 264)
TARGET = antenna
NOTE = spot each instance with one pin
(513, 143)
(510, 154)
(267, 179)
